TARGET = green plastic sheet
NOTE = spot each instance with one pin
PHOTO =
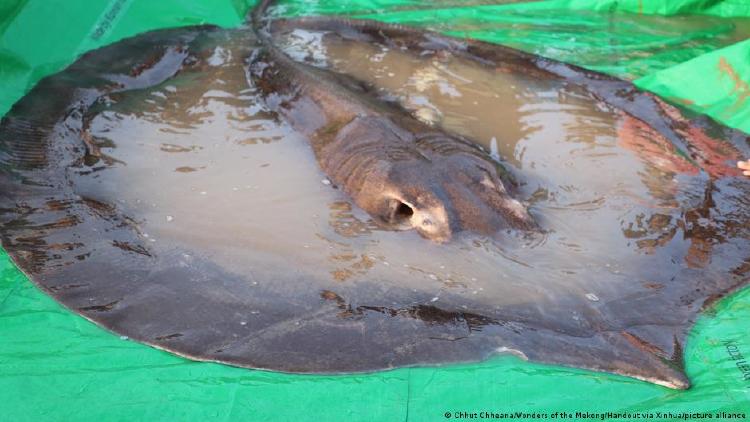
(722, 90)
(55, 365)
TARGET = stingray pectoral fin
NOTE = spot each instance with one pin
(638, 359)
(27, 125)
(616, 352)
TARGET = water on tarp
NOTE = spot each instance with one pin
(205, 167)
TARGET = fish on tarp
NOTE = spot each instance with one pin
(323, 104)
(68, 221)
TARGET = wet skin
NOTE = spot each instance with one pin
(403, 172)
(675, 133)
(88, 188)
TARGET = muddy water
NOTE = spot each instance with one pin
(206, 168)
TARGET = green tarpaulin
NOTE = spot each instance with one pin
(55, 365)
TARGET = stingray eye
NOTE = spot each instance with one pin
(399, 212)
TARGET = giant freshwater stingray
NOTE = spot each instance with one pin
(106, 205)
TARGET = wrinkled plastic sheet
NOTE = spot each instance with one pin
(55, 365)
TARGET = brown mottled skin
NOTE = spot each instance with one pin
(404, 173)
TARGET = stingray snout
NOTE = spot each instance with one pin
(431, 222)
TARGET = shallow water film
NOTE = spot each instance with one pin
(158, 196)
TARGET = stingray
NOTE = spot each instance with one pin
(92, 158)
